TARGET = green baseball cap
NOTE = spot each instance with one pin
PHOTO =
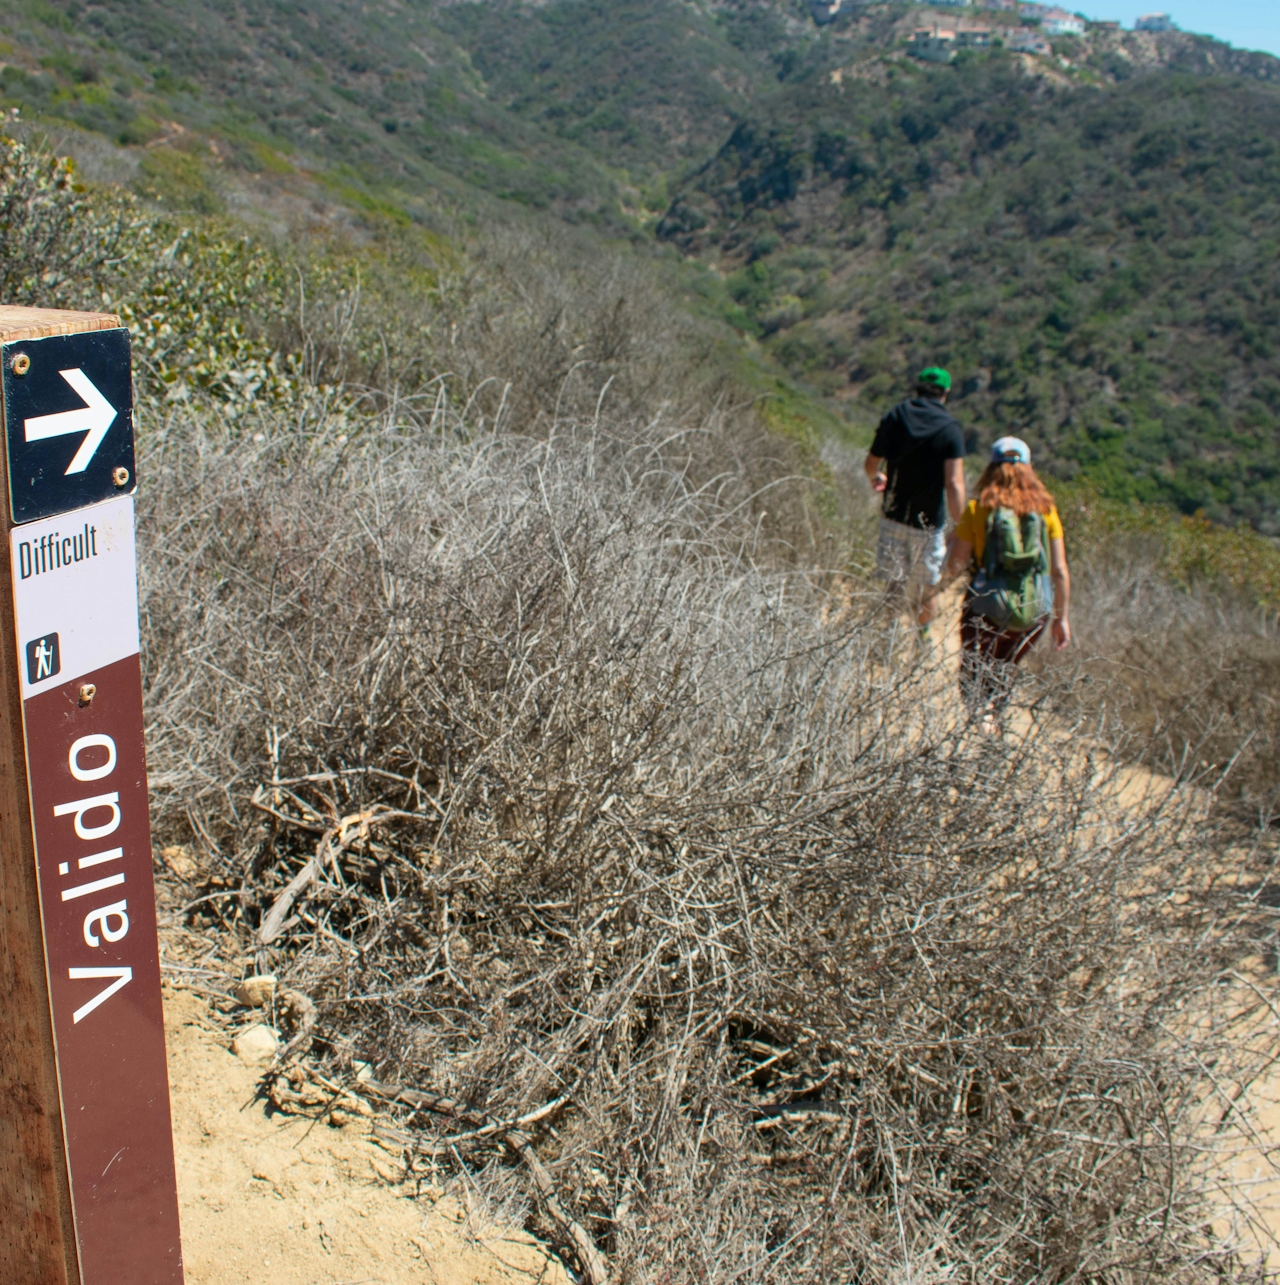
(935, 375)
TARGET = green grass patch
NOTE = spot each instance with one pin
(1190, 551)
(179, 181)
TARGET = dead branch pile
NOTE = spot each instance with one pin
(562, 803)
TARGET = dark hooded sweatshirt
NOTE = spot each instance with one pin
(915, 439)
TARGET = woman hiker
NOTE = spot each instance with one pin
(1010, 539)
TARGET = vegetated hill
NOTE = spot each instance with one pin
(1090, 246)
(375, 101)
(550, 105)
(649, 86)
(1096, 261)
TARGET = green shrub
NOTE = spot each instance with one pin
(179, 181)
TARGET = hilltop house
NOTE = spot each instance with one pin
(1025, 40)
(1058, 22)
(1000, 4)
(1154, 22)
(935, 44)
(932, 44)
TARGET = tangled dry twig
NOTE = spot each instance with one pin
(547, 785)
(593, 1265)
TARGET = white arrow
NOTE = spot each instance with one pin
(92, 420)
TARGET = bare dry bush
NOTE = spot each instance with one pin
(569, 324)
(1196, 675)
(566, 321)
(564, 802)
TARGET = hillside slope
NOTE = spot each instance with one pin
(1097, 263)
(377, 103)
(1088, 238)
(649, 86)
(547, 105)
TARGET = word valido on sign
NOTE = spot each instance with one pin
(108, 922)
(78, 631)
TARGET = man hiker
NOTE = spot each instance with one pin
(917, 461)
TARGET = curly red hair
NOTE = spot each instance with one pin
(1013, 486)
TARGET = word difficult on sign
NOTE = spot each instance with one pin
(73, 582)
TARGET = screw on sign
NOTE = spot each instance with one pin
(87, 1187)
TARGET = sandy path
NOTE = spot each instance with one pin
(1244, 1182)
(1251, 1180)
(1255, 1179)
(285, 1200)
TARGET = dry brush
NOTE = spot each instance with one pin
(576, 807)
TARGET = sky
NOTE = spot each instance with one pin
(1247, 24)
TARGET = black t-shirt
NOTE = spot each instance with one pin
(915, 439)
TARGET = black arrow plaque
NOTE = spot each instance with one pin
(68, 411)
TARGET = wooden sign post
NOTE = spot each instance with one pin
(87, 1187)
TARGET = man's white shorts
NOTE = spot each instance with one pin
(907, 555)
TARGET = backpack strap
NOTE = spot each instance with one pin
(1035, 532)
(989, 554)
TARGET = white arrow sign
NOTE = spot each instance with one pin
(93, 420)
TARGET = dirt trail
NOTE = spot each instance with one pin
(267, 1197)
(1255, 1175)
(1252, 1177)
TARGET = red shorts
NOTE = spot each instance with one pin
(986, 650)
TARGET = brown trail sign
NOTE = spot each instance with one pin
(87, 1188)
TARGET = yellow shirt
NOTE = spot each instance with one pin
(972, 527)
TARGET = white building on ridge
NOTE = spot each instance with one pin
(1154, 22)
(932, 44)
(1054, 21)
(1061, 23)
(1026, 40)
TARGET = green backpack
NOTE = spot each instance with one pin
(1012, 589)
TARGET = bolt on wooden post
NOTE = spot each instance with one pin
(87, 1188)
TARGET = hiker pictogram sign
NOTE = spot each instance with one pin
(68, 402)
(88, 1192)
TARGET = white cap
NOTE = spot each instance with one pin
(1010, 450)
